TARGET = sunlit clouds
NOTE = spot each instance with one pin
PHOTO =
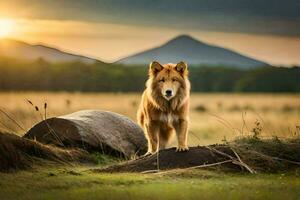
(110, 42)
(109, 30)
(7, 27)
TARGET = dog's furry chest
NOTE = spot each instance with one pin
(168, 118)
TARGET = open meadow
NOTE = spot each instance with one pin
(222, 77)
(213, 117)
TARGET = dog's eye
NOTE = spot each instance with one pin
(162, 80)
(174, 79)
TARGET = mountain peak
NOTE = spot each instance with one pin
(184, 47)
(184, 40)
(183, 37)
(19, 49)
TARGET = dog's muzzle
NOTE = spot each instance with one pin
(168, 93)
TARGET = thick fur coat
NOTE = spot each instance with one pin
(164, 107)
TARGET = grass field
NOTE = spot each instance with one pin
(79, 183)
(213, 116)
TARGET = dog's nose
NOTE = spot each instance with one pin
(168, 93)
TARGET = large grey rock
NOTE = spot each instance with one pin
(93, 130)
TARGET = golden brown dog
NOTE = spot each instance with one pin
(164, 108)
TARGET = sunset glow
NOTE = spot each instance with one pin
(6, 27)
(99, 33)
(122, 40)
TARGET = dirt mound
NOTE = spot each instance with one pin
(269, 155)
(249, 155)
(20, 153)
(169, 159)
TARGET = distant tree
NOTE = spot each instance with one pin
(38, 75)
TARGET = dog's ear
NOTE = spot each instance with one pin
(182, 68)
(155, 67)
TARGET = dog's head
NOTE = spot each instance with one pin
(169, 78)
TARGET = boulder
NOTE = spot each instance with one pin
(92, 130)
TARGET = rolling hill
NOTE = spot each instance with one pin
(194, 52)
(21, 50)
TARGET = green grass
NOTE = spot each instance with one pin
(80, 183)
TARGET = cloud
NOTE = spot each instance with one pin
(275, 17)
(110, 42)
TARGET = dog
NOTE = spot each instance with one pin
(164, 107)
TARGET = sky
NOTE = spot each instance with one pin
(108, 30)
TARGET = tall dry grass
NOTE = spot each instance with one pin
(213, 118)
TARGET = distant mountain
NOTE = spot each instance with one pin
(194, 52)
(22, 50)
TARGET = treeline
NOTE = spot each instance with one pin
(78, 76)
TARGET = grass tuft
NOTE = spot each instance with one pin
(20, 153)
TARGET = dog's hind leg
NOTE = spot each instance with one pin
(165, 133)
(162, 143)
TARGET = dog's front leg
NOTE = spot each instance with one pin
(152, 132)
(181, 127)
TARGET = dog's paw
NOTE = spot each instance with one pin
(182, 148)
(149, 153)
